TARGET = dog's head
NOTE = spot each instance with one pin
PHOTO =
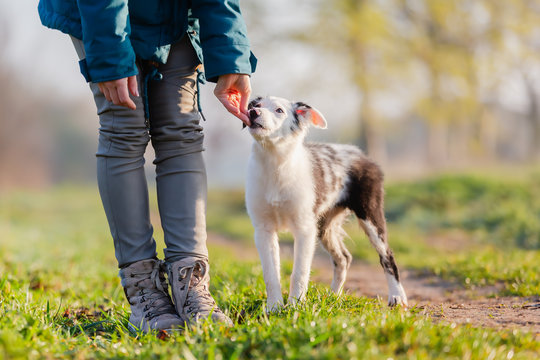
(274, 119)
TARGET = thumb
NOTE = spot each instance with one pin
(133, 86)
(244, 86)
(244, 100)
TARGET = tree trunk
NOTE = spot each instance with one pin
(437, 146)
(533, 116)
(459, 140)
(488, 134)
(371, 136)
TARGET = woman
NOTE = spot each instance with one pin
(142, 60)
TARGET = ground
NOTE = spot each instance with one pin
(440, 299)
(60, 295)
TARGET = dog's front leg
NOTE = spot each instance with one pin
(304, 248)
(268, 248)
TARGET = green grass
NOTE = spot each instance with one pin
(504, 212)
(488, 229)
(60, 297)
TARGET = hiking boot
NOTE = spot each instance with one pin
(189, 279)
(147, 292)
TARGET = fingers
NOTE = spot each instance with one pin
(105, 91)
(232, 106)
(244, 118)
(233, 91)
(114, 97)
(244, 99)
(122, 94)
(132, 85)
(117, 92)
(228, 105)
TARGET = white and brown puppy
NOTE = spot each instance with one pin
(309, 189)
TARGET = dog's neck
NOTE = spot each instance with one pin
(278, 154)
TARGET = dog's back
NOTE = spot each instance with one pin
(332, 167)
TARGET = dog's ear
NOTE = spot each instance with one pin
(306, 112)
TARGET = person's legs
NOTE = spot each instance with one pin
(123, 137)
(121, 179)
(178, 142)
(181, 183)
(181, 189)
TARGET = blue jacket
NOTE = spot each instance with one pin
(114, 32)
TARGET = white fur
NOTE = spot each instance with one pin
(374, 238)
(280, 195)
(273, 205)
(396, 294)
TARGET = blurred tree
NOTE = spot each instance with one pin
(359, 31)
(40, 144)
(444, 37)
(24, 140)
(464, 50)
(524, 28)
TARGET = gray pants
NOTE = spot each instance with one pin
(177, 139)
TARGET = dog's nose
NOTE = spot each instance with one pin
(254, 113)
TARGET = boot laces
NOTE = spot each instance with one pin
(194, 296)
(155, 295)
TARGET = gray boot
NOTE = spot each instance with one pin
(189, 279)
(147, 292)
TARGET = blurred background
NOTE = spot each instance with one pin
(423, 86)
(444, 94)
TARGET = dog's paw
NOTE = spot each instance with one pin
(394, 300)
(293, 301)
(274, 306)
(396, 294)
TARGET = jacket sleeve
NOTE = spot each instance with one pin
(223, 36)
(105, 31)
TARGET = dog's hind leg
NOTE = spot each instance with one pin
(331, 234)
(366, 199)
(396, 294)
(268, 248)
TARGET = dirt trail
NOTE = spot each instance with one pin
(439, 299)
(443, 300)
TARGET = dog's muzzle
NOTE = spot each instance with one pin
(253, 115)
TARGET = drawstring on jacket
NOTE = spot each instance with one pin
(153, 74)
(200, 80)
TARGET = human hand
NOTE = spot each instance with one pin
(233, 90)
(117, 91)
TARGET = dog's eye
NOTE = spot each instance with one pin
(279, 110)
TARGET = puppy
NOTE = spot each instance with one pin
(310, 189)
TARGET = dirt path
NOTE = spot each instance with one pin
(442, 300)
(439, 299)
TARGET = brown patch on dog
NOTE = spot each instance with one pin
(365, 194)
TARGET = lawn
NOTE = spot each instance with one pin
(60, 296)
(466, 228)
